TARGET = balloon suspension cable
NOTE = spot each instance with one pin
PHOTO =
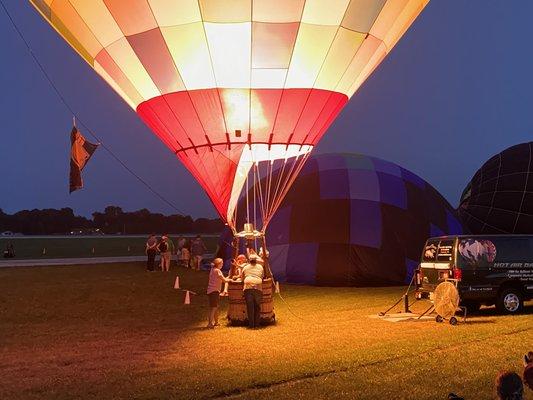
(296, 167)
(269, 206)
(255, 204)
(261, 198)
(247, 202)
(285, 178)
(268, 184)
(76, 116)
(233, 223)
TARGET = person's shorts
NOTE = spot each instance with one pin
(213, 299)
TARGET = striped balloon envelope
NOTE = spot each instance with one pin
(236, 88)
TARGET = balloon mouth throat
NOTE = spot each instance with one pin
(263, 177)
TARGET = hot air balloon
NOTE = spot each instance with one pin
(353, 220)
(499, 197)
(237, 89)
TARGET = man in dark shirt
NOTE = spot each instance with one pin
(197, 249)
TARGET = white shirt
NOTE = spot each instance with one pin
(216, 277)
(253, 276)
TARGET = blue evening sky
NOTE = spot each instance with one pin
(455, 90)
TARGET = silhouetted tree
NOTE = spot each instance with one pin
(112, 220)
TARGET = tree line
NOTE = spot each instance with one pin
(112, 220)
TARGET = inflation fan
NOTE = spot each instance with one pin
(446, 302)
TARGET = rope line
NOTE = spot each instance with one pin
(290, 309)
(80, 121)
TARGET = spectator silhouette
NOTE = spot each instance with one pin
(509, 386)
(528, 370)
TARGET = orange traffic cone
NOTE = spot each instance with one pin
(187, 298)
(177, 283)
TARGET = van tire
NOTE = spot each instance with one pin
(510, 301)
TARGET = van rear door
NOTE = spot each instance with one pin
(437, 262)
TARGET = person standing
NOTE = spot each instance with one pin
(9, 252)
(151, 251)
(164, 249)
(180, 245)
(216, 278)
(252, 275)
(171, 249)
(185, 256)
(197, 249)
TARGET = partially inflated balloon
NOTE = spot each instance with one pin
(231, 84)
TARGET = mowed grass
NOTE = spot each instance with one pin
(118, 332)
(44, 247)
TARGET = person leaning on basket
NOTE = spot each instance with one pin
(252, 276)
(216, 277)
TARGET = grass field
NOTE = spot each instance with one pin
(28, 247)
(118, 332)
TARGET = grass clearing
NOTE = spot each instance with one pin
(27, 247)
(116, 331)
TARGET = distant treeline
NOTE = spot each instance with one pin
(111, 221)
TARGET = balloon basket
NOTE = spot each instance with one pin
(237, 315)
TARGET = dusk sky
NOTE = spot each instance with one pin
(455, 90)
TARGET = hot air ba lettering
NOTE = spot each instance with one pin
(513, 265)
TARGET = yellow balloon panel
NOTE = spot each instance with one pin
(226, 10)
(341, 53)
(114, 75)
(312, 46)
(362, 57)
(132, 16)
(71, 25)
(175, 12)
(320, 12)
(188, 46)
(278, 11)
(99, 20)
(404, 19)
(113, 83)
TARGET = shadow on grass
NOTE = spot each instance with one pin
(470, 321)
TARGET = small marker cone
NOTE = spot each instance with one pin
(187, 298)
(177, 283)
(277, 287)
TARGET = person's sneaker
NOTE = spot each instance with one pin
(224, 294)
